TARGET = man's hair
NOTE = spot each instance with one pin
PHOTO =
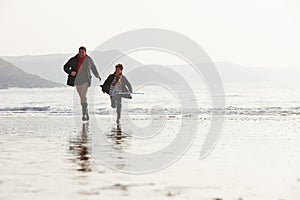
(120, 66)
(82, 48)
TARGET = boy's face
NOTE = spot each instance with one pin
(118, 70)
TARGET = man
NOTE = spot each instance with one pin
(78, 68)
(115, 84)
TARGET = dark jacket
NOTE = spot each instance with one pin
(85, 72)
(126, 86)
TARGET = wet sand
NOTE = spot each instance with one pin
(50, 157)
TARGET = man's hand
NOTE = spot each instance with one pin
(73, 73)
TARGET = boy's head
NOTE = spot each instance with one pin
(119, 68)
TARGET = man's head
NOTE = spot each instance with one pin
(82, 52)
(119, 68)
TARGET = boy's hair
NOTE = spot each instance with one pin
(120, 66)
(82, 48)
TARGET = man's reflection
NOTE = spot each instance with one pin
(79, 146)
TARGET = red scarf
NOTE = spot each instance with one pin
(80, 61)
(118, 80)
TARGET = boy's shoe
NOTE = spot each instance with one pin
(85, 117)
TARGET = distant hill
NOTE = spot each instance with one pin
(46, 66)
(51, 67)
(235, 73)
(11, 76)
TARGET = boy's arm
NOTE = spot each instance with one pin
(127, 83)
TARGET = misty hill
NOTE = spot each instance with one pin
(237, 73)
(51, 67)
(105, 64)
(11, 76)
(234, 73)
(46, 66)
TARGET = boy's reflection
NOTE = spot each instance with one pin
(120, 143)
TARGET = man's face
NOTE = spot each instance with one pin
(81, 53)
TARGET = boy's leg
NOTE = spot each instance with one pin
(113, 101)
(119, 106)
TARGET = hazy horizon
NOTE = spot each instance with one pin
(164, 62)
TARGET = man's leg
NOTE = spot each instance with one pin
(78, 88)
(82, 91)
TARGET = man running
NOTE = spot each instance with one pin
(78, 68)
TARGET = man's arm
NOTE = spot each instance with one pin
(94, 70)
(67, 67)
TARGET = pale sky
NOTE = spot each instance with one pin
(258, 33)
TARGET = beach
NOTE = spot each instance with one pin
(50, 157)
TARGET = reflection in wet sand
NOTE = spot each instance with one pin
(119, 144)
(117, 136)
(79, 146)
(40, 157)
